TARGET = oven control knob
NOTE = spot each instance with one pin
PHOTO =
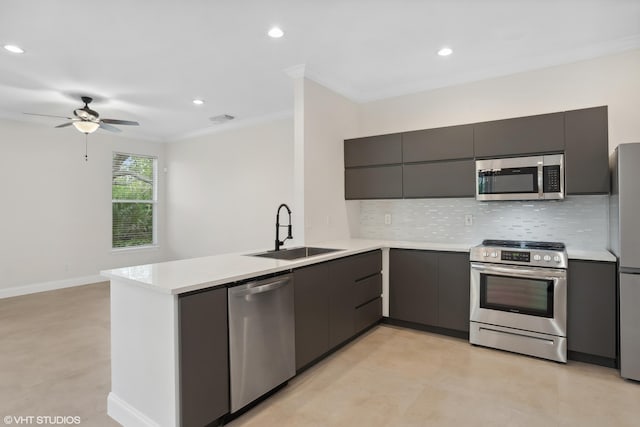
(494, 254)
(556, 258)
(547, 258)
(536, 257)
(485, 253)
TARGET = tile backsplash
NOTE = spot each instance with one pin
(581, 222)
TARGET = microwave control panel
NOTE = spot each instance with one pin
(551, 179)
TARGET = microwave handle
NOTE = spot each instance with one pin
(540, 181)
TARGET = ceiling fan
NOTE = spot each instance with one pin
(87, 120)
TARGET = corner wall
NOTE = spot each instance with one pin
(327, 118)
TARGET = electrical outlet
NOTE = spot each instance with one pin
(468, 219)
(387, 219)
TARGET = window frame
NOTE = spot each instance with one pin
(153, 202)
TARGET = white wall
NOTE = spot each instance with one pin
(223, 189)
(611, 80)
(55, 220)
(328, 119)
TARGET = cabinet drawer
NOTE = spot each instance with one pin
(367, 289)
(368, 314)
(366, 264)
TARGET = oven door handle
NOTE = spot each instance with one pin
(539, 273)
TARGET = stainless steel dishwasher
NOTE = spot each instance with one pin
(261, 338)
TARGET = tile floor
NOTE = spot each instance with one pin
(54, 360)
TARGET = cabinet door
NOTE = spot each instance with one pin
(204, 363)
(378, 182)
(373, 150)
(311, 296)
(591, 308)
(587, 151)
(413, 286)
(453, 290)
(439, 179)
(520, 136)
(341, 310)
(448, 143)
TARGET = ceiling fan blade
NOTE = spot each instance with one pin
(64, 125)
(120, 122)
(109, 127)
(49, 115)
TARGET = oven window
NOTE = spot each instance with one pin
(517, 295)
(506, 181)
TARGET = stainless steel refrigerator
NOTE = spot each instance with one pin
(625, 244)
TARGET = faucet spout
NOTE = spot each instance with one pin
(289, 234)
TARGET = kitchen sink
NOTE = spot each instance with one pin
(296, 253)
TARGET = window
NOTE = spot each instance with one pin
(133, 194)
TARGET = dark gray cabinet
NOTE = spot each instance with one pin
(430, 288)
(439, 179)
(520, 136)
(413, 286)
(203, 355)
(373, 150)
(378, 182)
(334, 301)
(591, 308)
(341, 313)
(447, 143)
(311, 302)
(453, 290)
(587, 151)
(354, 281)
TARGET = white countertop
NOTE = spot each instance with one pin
(175, 277)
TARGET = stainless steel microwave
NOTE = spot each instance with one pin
(521, 178)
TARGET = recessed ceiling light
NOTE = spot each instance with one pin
(198, 101)
(445, 51)
(275, 33)
(13, 48)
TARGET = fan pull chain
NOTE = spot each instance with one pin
(86, 137)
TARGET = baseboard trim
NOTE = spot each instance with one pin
(126, 414)
(50, 286)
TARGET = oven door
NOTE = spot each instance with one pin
(526, 298)
(515, 183)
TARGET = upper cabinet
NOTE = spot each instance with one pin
(448, 143)
(373, 167)
(440, 162)
(373, 150)
(377, 182)
(520, 136)
(587, 151)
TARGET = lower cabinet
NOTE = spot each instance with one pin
(334, 301)
(430, 288)
(311, 302)
(203, 355)
(591, 308)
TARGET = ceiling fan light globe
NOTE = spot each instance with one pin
(86, 127)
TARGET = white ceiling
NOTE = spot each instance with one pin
(146, 60)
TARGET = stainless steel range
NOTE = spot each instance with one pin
(519, 297)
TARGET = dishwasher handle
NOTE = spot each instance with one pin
(258, 287)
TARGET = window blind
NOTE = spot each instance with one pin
(134, 199)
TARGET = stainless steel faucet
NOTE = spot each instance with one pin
(289, 236)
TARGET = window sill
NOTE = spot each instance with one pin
(135, 249)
